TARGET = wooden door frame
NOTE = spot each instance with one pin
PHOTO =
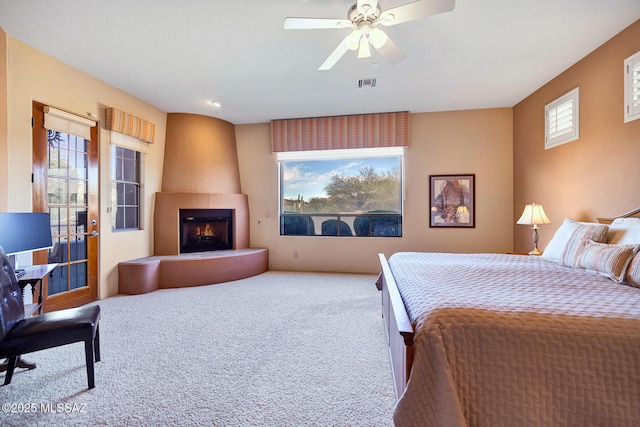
(87, 294)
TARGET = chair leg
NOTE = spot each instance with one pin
(96, 344)
(88, 352)
(11, 366)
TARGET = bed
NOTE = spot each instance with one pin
(506, 340)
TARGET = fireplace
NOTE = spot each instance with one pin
(206, 230)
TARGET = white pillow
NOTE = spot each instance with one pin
(624, 231)
(571, 238)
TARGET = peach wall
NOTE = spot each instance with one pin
(594, 176)
(32, 75)
(478, 141)
(200, 155)
(4, 155)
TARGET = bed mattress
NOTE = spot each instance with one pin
(506, 340)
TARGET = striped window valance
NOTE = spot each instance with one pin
(127, 124)
(341, 132)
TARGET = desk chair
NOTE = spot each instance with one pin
(20, 335)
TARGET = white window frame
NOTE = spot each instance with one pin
(632, 88)
(130, 143)
(562, 119)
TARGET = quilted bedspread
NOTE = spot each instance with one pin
(506, 340)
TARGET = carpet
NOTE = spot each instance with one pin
(278, 349)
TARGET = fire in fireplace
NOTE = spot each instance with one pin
(206, 230)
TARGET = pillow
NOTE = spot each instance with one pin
(571, 238)
(633, 272)
(610, 261)
(624, 231)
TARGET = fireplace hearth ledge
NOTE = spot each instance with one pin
(143, 275)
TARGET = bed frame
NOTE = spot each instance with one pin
(398, 327)
(396, 320)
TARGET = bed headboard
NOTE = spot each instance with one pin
(631, 214)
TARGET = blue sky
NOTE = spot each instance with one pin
(309, 177)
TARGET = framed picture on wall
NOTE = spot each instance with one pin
(452, 200)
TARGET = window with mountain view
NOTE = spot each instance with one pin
(341, 193)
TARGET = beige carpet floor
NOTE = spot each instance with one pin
(278, 349)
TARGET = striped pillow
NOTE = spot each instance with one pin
(633, 272)
(609, 260)
(579, 235)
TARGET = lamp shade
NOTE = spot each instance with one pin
(352, 41)
(533, 215)
(364, 51)
(377, 37)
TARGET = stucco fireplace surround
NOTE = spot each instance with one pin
(200, 172)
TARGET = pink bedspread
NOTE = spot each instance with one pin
(506, 340)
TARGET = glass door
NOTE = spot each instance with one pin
(67, 183)
(67, 160)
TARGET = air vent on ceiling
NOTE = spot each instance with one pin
(366, 83)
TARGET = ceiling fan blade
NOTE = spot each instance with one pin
(391, 52)
(314, 23)
(335, 56)
(416, 10)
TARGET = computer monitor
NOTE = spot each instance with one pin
(25, 231)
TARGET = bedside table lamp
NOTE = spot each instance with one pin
(534, 215)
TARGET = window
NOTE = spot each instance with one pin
(562, 120)
(125, 188)
(341, 192)
(632, 88)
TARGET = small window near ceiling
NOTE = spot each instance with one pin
(632, 88)
(562, 120)
(125, 188)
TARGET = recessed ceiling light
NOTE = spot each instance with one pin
(215, 103)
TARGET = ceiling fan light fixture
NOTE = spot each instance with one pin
(364, 51)
(364, 18)
(377, 37)
(352, 41)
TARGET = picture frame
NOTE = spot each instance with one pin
(452, 201)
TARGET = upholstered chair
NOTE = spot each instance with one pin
(20, 335)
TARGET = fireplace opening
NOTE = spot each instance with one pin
(206, 230)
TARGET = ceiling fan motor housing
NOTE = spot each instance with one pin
(357, 16)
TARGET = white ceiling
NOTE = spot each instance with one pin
(180, 55)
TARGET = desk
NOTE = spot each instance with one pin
(33, 276)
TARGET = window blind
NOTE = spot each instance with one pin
(632, 88)
(62, 121)
(125, 141)
(562, 119)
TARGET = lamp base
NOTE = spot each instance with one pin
(535, 250)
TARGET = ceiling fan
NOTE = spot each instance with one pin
(363, 19)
